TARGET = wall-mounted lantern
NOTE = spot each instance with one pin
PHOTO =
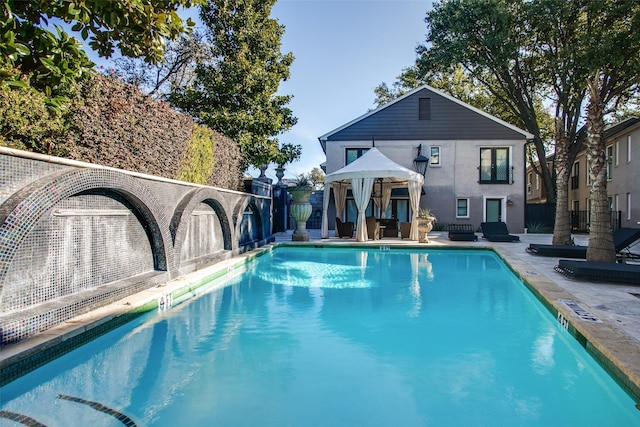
(421, 162)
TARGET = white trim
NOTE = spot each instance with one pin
(503, 207)
(439, 164)
(468, 209)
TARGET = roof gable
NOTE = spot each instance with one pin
(449, 119)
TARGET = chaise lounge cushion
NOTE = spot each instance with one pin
(497, 232)
(622, 239)
(599, 271)
(462, 232)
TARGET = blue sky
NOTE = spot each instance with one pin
(342, 49)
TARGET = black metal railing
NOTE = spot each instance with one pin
(580, 221)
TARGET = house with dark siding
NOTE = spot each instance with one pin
(476, 168)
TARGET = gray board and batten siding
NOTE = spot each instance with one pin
(399, 120)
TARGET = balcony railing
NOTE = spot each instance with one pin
(580, 221)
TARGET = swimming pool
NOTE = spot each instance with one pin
(336, 336)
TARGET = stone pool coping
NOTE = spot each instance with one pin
(614, 348)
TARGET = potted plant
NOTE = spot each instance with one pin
(425, 224)
(301, 191)
(300, 207)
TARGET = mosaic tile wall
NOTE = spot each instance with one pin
(73, 239)
(85, 231)
(204, 234)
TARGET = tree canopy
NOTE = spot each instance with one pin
(54, 59)
(234, 89)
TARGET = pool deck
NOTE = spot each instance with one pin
(614, 338)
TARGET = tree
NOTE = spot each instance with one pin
(54, 59)
(287, 153)
(612, 53)
(557, 39)
(490, 39)
(316, 176)
(235, 92)
(521, 52)
(174, 73)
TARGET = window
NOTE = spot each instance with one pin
(435, 155)
(529, 179)
(610, 202)
(354, 154)
(629, 149)
(424, 109)
(575, 175)
(617, 153)
(609, 162)
(462, 208)
(494, 166)
(537, 182)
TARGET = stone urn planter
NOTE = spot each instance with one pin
(425, 225)
(300, 211)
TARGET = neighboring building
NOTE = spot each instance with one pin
(536, 192)
(477, 162)
(623, 176)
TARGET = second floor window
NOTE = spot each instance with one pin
(435, 155)
(354, 154)
(609, 162)
(494, 166)
(575, 176)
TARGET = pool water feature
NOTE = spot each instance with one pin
(336, 336)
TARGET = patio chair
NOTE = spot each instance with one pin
(497, 232)
(405, 230)
(344, 229)
(463, 232)
(623, 238)
(599, 271)
(373, 230)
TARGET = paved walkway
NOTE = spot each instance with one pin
(616, 334)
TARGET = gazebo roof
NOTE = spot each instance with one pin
(374, 164)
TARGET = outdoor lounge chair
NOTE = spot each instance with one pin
(405, 230)
(599, 271)
(497, 232)
(622, 239)
(462, 232)
(344, 229)
(373, 229)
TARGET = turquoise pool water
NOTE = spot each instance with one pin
(336, 337)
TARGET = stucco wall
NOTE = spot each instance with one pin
(76, 236)
(456, 177)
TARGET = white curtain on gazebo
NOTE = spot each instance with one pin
(361, 188)
(414, 199)
(340, 197)
(386, 198)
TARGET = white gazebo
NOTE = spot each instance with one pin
(360, 175)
